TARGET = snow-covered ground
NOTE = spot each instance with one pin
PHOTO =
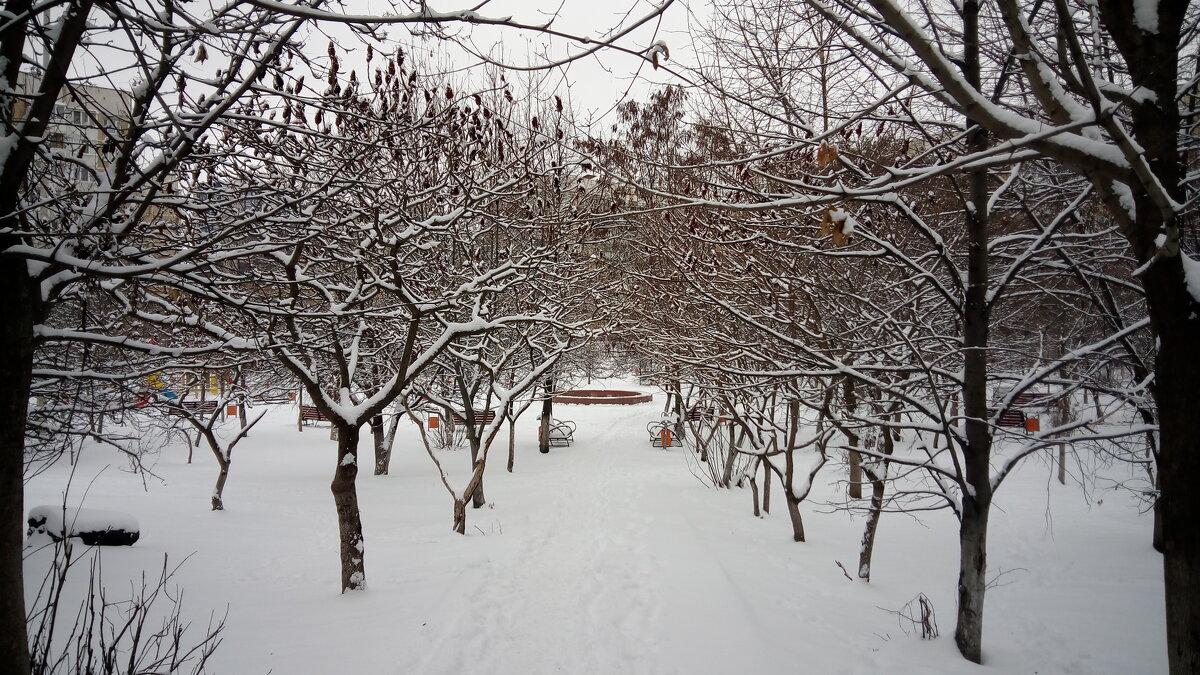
(610, 557)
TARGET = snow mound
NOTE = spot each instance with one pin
(95, 527)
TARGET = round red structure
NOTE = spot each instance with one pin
(602, 396)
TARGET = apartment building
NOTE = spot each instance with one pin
(85, 121)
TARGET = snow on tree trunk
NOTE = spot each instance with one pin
(345, 498)
(868, 540)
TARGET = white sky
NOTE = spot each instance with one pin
(596, 82)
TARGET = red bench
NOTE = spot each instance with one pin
(482, 417)
(1011, 418)
(311, 413)
(193, 407)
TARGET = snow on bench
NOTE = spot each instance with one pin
(562, 432)
(94, 527)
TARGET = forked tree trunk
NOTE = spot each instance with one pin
(477, 498)
(222, 476)
(460, 516)
(345, 499)
(793, 506)
(730, 459)
(383, 462)
(460, 505)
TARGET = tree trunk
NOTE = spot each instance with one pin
(547, 411)
(754, 494)
(217, 503)
(389, 440)
(855, 459)
(793, 506)
(868, 541)
(1153, 58)
(477, 498)
(766, 499)
(16, 363)
(512, 442)
(460, 516)
(1176, 392)
(977, 497)
(730, 459)
(856, 472)
(972, 580)
(377, 438)
(677, 392)
(345, 499)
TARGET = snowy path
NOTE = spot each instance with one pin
(602, 581)
(609, 557)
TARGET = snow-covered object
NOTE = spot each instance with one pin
(1191, 273)
(95, 527)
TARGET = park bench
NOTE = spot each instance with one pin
(661, 434)
(562, 432)
(193, 407)
(311, 413)
(482, 417)
(1014, 417)
(1011, 418)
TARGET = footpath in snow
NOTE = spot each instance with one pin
(608, 556)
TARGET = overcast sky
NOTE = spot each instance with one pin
(594, 82)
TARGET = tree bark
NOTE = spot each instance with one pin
(477, 498)
(460, 516)
(972, 581)
(547, 412)
(976, 483)
(16, 363)
(793, 506)
(377, 438)
(754, 494)
(345, 499)
(766, 497)
(867, 551)
(512, 442)
(1177, 393)
(217, 503)
(856, 472)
